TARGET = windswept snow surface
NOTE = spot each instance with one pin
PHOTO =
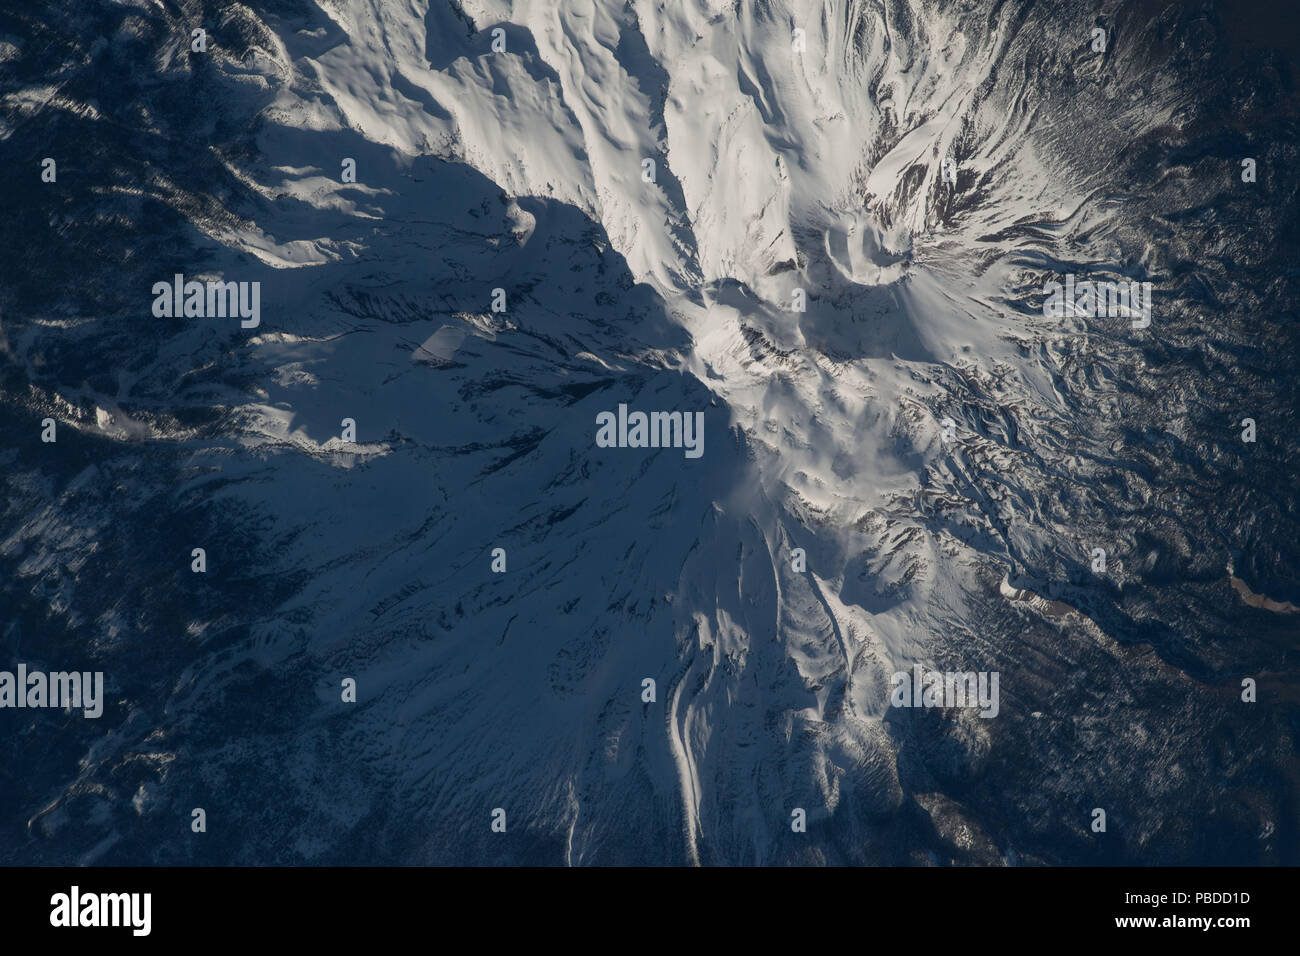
(797, 148)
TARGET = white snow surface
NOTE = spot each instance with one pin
(776, 169)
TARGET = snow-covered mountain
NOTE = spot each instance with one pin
(829, 227)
